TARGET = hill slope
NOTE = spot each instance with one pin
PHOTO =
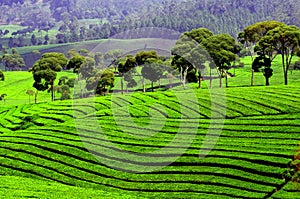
(250, 155)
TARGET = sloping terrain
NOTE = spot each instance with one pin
(258, 139)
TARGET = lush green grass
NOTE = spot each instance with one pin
(47, 145)
(258, 139)
(20, 187)
(243, 75)
(17, 83)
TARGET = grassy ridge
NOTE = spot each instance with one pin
(256, 143)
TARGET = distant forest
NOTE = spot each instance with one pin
(115, 16)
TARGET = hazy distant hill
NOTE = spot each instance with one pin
(218, 15)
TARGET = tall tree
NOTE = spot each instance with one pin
(13, 61)
(252, 35)
(285, 40)
(222, 48)
(152, 70)
(124, 66)
(75, 62)
(188, 53)
(45, 70)
(101, 82)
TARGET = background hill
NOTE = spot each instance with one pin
(220, 16)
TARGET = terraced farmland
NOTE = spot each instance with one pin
(258, 138)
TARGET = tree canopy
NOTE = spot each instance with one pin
(44, 71)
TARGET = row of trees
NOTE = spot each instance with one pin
(267, 40)
(194, 51)
(87, 65)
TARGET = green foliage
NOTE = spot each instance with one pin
(285, 39)
(293, 171)
(263, 63)
(101, 82)
(13, 61)
(44, 70)
(87, 69)
(126, 64)
(142, 57)
(2, 76)
(75, 62)
(152, 70)
(250, 156)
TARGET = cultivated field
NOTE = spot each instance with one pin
(56, 146)
(259, 137)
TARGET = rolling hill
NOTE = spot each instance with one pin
(100, 144)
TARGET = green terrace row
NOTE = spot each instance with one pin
(65, 141)
(47, 169)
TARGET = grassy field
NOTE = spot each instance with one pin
(21, 187)
(259, 137)
(56, 149)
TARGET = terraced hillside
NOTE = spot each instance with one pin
(259, 136)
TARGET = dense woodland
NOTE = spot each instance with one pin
(112, 17)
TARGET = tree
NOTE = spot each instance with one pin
(33, 40)
(99, 58)
(29, 93)
(112, 56)
(253, 34)
(285, 40)
(101, 82)
(222, 48)
(188, 54)
(142, 58)
(264, 63)
(152, 70)
(13, 61)
(75, 62)
(45, 71)
(2, 77)
(65, 91)
(124, 66)
(87, 68)
(11, 42)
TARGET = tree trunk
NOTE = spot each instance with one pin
(285, 78)
(199, 79)
(267, 81)
(52, 91)
(221, 72)
(210, 80)
(283, 65)
(122, 84)
(184, 78)
(143, 82)
(226, 79)
(152, 86)
(252, 78)
(35, 96)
